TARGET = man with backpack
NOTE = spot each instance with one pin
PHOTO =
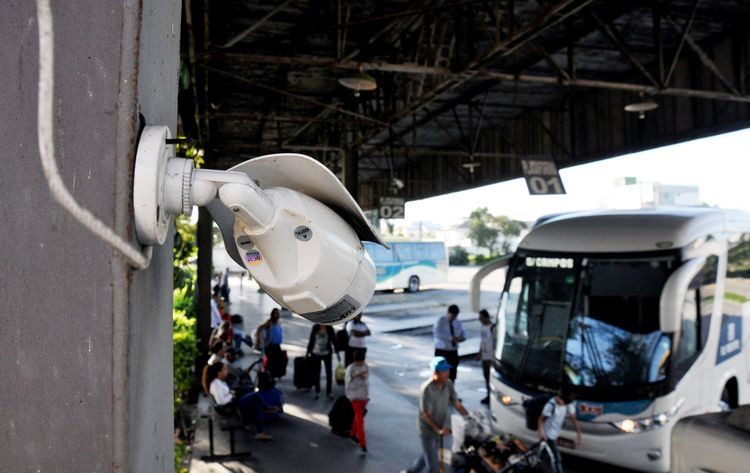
(550, 423)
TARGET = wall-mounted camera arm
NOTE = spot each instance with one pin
(286, 218)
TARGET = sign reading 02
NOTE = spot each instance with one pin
(391, 207)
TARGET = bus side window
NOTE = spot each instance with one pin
(706, 294)
(688, 344)
(437, 251)
(403, 252)
(517, 318)
(696, 314)
(378, 253)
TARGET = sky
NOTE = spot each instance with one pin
(719, 165)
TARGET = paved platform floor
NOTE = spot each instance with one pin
(398, 355)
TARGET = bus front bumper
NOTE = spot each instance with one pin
(647, 451)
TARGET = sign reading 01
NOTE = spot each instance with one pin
(542, 177)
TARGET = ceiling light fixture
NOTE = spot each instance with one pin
(471, 166)
(359, 81)
(641, 107)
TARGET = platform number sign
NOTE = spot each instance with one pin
(391, 207)
(542, 177)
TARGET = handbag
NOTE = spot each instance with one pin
(340, 371)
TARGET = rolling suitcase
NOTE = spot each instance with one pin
(302, 373)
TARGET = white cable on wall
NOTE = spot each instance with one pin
(60, 193)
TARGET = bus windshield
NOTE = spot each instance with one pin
(588, 322)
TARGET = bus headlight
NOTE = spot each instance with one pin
(633, 426)
(627, 425)
(504, 399)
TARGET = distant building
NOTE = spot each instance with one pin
(630, 194)
(675, 195)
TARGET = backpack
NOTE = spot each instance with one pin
(341, 416)
(534, 407)
(341, 341)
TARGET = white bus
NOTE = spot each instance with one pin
(642, 314)
(409, 264)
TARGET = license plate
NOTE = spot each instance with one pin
(566, 443)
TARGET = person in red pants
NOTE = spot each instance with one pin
(356, 387)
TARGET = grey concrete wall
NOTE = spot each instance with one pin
(86, 368)
(150, 348)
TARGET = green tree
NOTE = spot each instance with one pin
(509, 228)
(482, 229)
(485, 228)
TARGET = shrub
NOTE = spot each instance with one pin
(185, 350)
(458, 256)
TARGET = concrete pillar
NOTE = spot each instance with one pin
(205, 253)
(351, 173)
(87, 366)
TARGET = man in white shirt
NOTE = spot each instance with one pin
(357, 331)
(448, 333)
(551, 423)
(486, 352)
(250, 406)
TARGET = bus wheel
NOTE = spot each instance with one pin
(414, 284)
(728, 396)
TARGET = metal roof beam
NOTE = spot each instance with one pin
(611, 32)
(614, 85)
(559, 12)
(254, 26)
(294, 96)
(703, 57)
(685, 31)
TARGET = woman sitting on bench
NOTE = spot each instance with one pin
(250, 406)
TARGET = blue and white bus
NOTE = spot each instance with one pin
(644, 315)
(409, 264)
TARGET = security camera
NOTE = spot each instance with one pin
(284, 217)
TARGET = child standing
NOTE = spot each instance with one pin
(356, 388)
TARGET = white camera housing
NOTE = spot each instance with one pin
(308, 258)
(284, 217)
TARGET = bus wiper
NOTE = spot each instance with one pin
(527, 348)
(589, 341)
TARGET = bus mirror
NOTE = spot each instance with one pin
(673, 297)
(475, 289)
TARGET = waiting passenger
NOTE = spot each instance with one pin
(273, 337)
(269, 395)
(237, 378)
(320, 349)
(250, 407)
(436, 399)
(448, 333)
(486, 353)
(357, 341)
